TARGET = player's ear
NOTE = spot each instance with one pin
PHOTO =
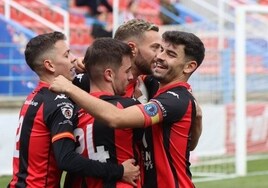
(190, 67)
(49, 65)
(133, 47)
(108, 75)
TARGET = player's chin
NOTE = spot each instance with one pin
(158, 75)
(158, 72)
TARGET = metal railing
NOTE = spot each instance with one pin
(40, 19)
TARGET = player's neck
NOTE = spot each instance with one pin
(47, 79)
(100, 88)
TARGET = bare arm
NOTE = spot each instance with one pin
(114, 117)
(196, 130)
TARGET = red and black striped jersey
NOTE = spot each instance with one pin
(166, 144)
(45, 117)
(99, 142)
(45, 144)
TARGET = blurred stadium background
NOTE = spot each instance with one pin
(231, 84)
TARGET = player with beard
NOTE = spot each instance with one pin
(45, 143)
(108, 62)
(144, 39)
(172, 127)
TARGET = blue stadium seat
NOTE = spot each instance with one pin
(15, 76)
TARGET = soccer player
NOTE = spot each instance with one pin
(144, 39)
(108, 62)
(45, 143)
(169, 117)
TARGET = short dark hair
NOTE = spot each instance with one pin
(194, 48)
(39, 45)
(134, 28)
(103, 53)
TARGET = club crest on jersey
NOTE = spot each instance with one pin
(60, 96)
(150, 109)
(67, 111)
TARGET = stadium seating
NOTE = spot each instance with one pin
(15, 76)
(80, 29)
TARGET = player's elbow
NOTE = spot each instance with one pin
(64, 166)
(116, 121)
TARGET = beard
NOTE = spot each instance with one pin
(158, 76)
(143, 65)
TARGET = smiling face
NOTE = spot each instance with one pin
(181, 54)
(172, 65)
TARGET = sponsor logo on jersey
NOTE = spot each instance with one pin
(67, 111)
(146, 154)
(60, 96)
(64, 104)
(31, 102)
(66, 122)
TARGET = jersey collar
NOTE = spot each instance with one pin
(168, 87)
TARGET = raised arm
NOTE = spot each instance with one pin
(114, 117)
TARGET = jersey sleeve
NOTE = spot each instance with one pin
(60, 114)
(61, 119)
(173, 104)
(168, 107)
(152, 113)
(70, 161)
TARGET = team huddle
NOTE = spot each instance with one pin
(128, 119)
